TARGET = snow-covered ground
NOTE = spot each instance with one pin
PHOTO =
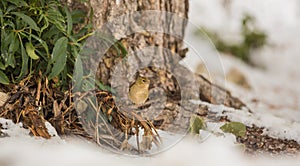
(275, 90)
(23, 150)
(275, 93)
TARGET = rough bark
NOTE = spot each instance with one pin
(160, 71)
(166, 43)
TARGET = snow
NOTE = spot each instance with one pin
(24, 150)
(274, 99)
(275, 124)
(275, 96)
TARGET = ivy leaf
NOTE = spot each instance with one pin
(3, 78)
(28, 20)
(236, 128)
(30, 51)
(59, 57)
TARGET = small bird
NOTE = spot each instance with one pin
(139, 91)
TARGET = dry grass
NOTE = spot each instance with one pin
(35, 101)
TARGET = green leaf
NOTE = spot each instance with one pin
(9, 23)
(11, 61)
(2, 67)
(7, 40)
(18, 3)
(78, 74)
(196, 123)
(69, 21)
(59, 57)
(3, 78)
(123, 49)
(56, 18)
(46, 23)
(60, 48)
(24, 67)
(236, 128)
(43, 43)
(10, 8)
(1, 17)
(31, 51)
(7, 46)
(50, 32)
(14, 45)
(28, 20)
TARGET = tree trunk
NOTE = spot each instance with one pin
(152, 32)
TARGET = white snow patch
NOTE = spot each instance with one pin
(51, 129)
(23, 150)
(11, 129)
(275, 94)
(275, 125)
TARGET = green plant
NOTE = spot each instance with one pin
(252, 39)
(196, 124)
(236, 128)
(38, 36)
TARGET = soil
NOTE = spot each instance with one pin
(256, 143)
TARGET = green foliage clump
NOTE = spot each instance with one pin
(236, 128)
(38, 36)
(252, 39)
